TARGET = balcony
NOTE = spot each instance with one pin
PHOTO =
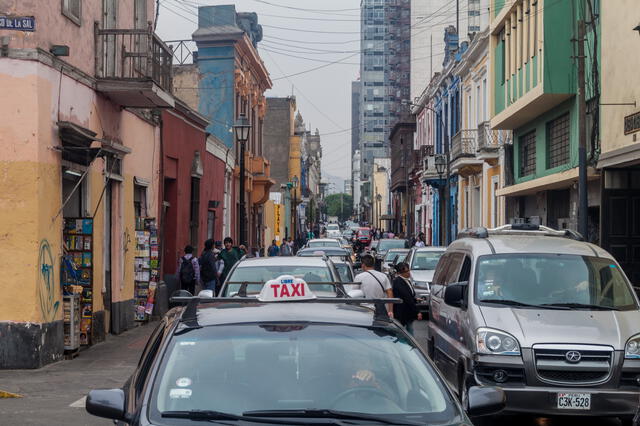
(463, 152)
(490, 141)
(133, 67)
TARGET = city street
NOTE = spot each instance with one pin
(54, 395)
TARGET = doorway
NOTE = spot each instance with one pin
(107, 296)
(619, 223)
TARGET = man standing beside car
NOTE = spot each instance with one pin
(374, 284)
(406, 312)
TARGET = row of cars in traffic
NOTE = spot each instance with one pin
(521, 318)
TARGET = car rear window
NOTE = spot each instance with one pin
(293, 366)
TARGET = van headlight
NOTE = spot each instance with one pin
(632, 348)
(496, 342)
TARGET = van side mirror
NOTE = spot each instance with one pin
(107, 403)
(454, 294)
(486, 400)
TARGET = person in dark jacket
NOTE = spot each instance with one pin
(208, 266)
(406, 312)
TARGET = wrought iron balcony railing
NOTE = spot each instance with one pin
(132, 55)
(490, 139)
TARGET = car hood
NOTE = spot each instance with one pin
(533, 326)
(422, 275)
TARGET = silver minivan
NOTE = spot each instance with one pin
(549, 318)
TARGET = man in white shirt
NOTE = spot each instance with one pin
(374, 284)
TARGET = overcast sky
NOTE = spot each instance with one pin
(310, 34)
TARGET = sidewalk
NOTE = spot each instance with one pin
(51, 395)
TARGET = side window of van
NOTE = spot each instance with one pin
(455, 265)
(441, 269)
(465, 273)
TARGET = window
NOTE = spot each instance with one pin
(195, 208)
(140, 204)
(455, 265)
(72, 9)
(527, 154)
(558, 141)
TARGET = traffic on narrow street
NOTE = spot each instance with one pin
(320, 212)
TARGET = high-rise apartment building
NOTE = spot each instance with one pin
(384, 76)
(355, 116)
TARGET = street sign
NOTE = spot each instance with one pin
(277, 222)
(18, 23)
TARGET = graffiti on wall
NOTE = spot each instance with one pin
(46, 283)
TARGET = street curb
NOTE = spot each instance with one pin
(5, 394)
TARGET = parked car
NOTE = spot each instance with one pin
(236, 362)
(257, 271)
(364, 236)
(333, 231)
(393, 256)
(384, 245)
(547, 317)
(423, 261)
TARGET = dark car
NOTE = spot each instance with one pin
(274, 360)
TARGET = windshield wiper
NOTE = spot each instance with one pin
(326, 414)
(521, 304)
(582, 306)
(212, 415)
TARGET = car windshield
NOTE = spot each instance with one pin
(299, 366)
(344, 272)
(333, 227)
(387, 244)
(392, 255)
(364, 232)
(553, 280)
(324, 243)
(261, 274)
(425, 260)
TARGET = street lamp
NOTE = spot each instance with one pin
(294, 184)
(241, 129)
(379, 202)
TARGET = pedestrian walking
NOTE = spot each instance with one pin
(406, 312)
(273, 249)
(420, 241)
(285, 248)
(207, 264)
(374, 284)
(230, 255)
(188, 270)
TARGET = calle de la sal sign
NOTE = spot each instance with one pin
(18, 23)
(632, 123)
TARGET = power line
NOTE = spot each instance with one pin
(306, 30)
(306, 9)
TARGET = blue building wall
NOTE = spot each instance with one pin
(216, 66)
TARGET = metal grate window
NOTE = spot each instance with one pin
(558, 141)
(527, 154)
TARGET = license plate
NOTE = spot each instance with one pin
(574, 401)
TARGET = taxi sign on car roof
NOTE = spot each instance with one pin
(285, 288)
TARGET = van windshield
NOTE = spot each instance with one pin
(554, 280)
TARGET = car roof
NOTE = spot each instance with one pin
(398, 250)
(323, 239)
(220, 313)
(522, 243)
(329, 251)
(432, 248)
(282, 261)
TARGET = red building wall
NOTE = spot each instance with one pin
(182, 138)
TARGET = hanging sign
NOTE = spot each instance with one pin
(18, 23)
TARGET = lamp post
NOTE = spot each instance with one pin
(294, 185)
(379, 202)
(441, 163)
(241, 129)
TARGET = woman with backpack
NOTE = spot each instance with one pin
(188, 270)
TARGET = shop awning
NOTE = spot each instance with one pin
(555, 181)
(76, 143)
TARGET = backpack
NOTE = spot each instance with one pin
(207, 267)
(187, 271)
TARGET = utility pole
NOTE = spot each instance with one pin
(583, 205)
(458, 19)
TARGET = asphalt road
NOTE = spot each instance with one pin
(421, 335)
